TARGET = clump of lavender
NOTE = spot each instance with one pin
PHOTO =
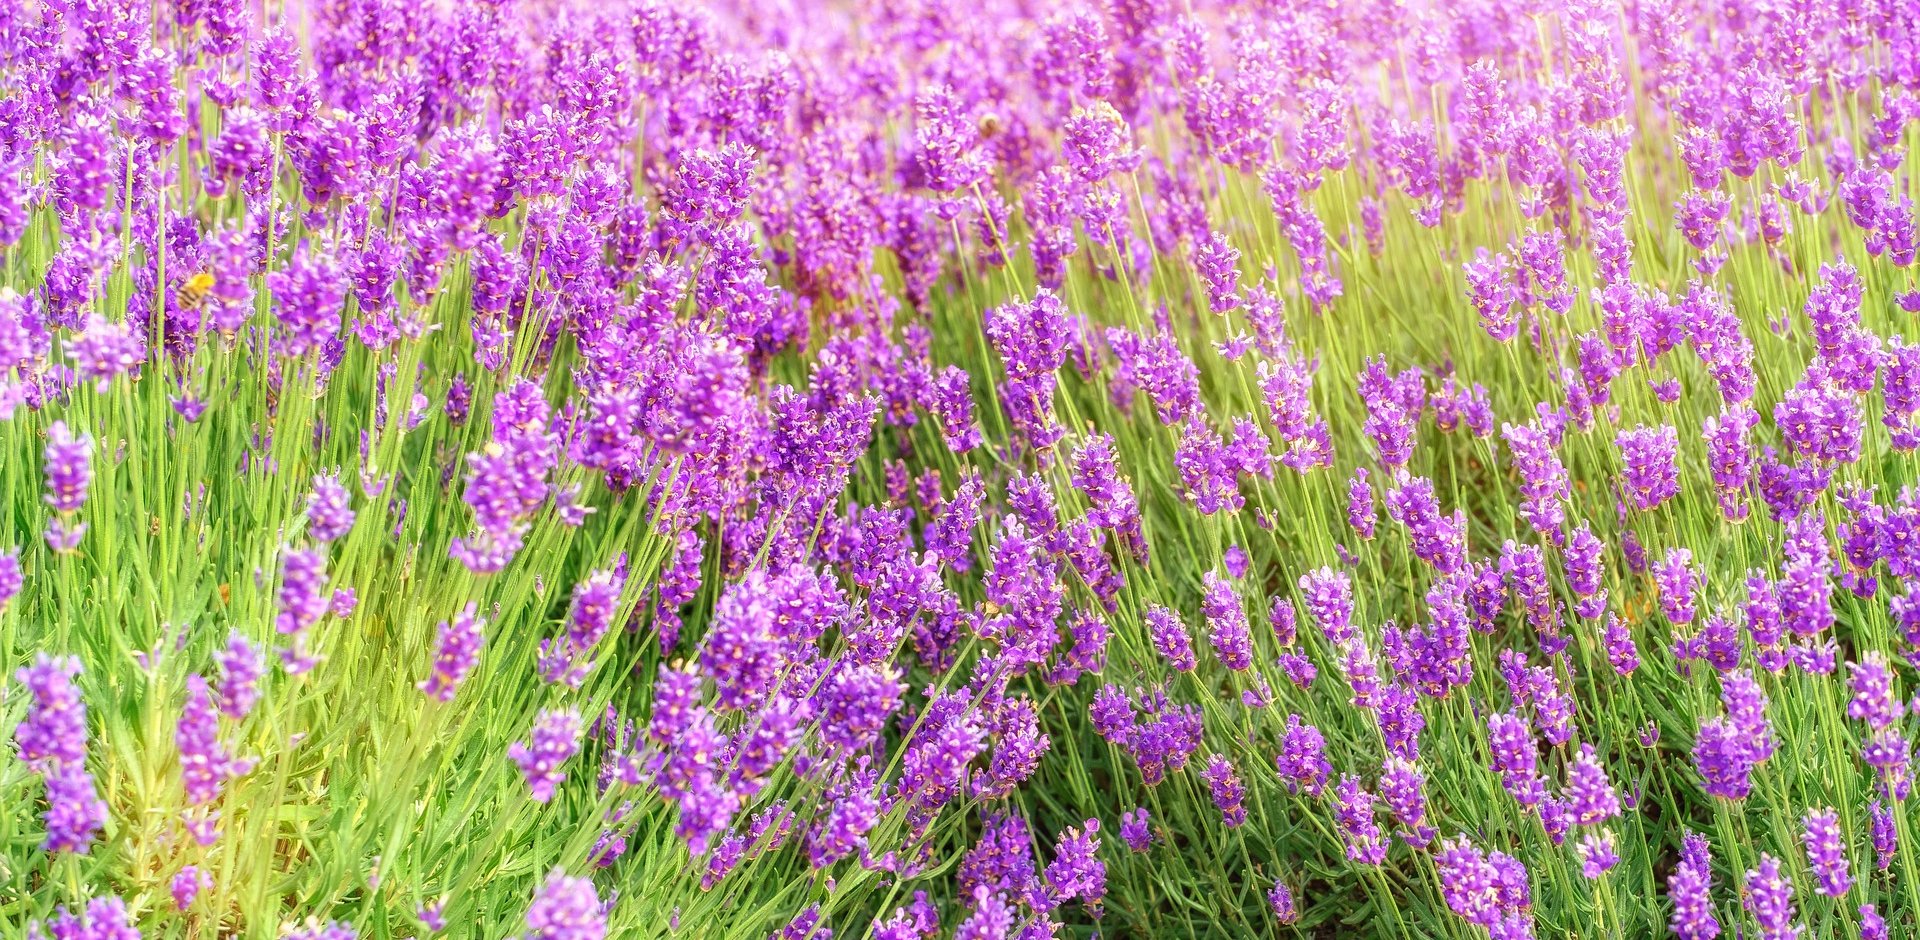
(566, 908)
(69, 472)
(52, 740)
(1689, 889)
(1729, 748)
(1768, 897)
(554, 740)
(1827, 852)
(329, 509)
(456, 653)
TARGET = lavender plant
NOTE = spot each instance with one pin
(575, 470)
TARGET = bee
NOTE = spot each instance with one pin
(193, 292)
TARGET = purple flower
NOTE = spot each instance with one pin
(1491, 288)
(1689, 888)
(1328, 595)
(1110, 498)
(456, 655)
(1872, 925)
(303, 598)
(1076, 870)
(432, 915)
(1873, 699)
(187, 885)
(1280, 900)
(1885, 834)
(309, 294)
(1170, 638)
(1032, 340)
(204, 763)
(55, 729)
(69, 468)
(11, 579)
(588, 619)
(554, 740)
(1135, 829)
(1768, 896)
(1403, 788)
(75, 811)
(1827, 852)
(1820, 421)
(1543, 478)
(106, 351)
(236, 686)
(329, 508)
(1727, 750)
(1584, 561)
(1468, 882)
(1621, 651)
(1302, 760)
(1227, 623)
(1516, 757)
(1677, 581)
(1360, 511)
(566, 908)
(1393, 407)
(1599, 852)
(952, 406)
(1353, 813)
(1590, 797)
(105, 918)
(1652, 475)
(1226, 789)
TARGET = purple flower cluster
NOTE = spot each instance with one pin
(1728, 749)
(52, 739)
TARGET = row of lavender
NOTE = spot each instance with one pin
(569, 471)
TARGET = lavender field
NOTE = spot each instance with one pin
(990, 470)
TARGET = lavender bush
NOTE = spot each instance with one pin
(579, 470)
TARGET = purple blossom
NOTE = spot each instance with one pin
(1170, 638)
(457, 651)
(554, 740)
(1328, 595)
(1590, 797)
(1227, 623)
(236, 686)
(1353, 813)
(1885, 834)
(1360, 511)
(1280, 900)
(329, 510)
(1677, 581)
(1827, 852)
(1226, 789)
(1768, 896)
(566, 908)
(1135, 830)
(187, 885)
(1873, 700)
(1689, 888)
(1516, 757)
(1302, 760)
(204, 764)
(1652, 477)
(1543, 478)
(75, 812)
(69, 468)
(1076, 870)
(54, 733)
(1599, 852)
